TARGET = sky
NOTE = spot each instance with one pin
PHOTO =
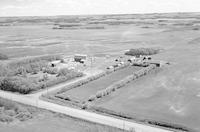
(89, 7)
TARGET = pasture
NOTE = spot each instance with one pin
(171, 94)
(83, 92)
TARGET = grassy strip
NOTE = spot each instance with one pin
(146, 121)
(10, 111)
(121, 83)
(65, 102)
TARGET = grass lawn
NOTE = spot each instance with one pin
(83, 92)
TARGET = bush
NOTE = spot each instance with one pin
(4, 71)
(69, 73)
(84, 106)
(33, 64)
(21, 71)
(92, 98)
(63, 96)
(27, 65)
(24, 116)
(99, 94)
(50, 70)
(108, 90)
(142, 51)
(62, 60)
(17, 84)
(3, 57)
(5, 118)
(13, 110)
(64, 72)
(6, 104)
(10, 112)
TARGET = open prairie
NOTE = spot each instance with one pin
(170, 94)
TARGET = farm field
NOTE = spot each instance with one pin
(85, 91)
(18, 41)
(170, 94)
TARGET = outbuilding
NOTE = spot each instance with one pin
(80, 58)
(157, 62)
(132, 59)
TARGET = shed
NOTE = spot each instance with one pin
(80, 58)
(156, 62)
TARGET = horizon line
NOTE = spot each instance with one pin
(148, 13)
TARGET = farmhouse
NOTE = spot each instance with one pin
(80, 58)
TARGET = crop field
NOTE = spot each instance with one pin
(83, 92)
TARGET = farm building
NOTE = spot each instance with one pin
(54, 63)
(80, 58)
(147, 58)
(132, 59)
(156, 62)
(110, 67)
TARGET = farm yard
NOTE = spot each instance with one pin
(168, 96)
(35, 73)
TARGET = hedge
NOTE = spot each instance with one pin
(142, 51)
(148, 121)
